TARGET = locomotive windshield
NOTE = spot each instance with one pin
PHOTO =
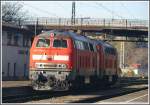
(60, 43)
(43, 43)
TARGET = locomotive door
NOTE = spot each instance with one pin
(76, 60)
(98, 60)
(76, 56)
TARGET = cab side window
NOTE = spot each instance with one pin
(86, 47)
(91, 47)
(79, 44)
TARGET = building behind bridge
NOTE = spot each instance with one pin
(16, 42)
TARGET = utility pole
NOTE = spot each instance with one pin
(123, 56)
(36, 24)
(73, 13)
(122, 52)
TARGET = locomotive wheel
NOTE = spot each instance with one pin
(95, 82)
(115, 79)
(106, 83)
(78, 83)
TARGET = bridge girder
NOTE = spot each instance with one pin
(115, 31)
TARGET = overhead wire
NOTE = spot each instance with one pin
(108, 10)
(44, 11)
(61, 6)
(129, 12)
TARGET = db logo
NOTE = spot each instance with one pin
(52, 35)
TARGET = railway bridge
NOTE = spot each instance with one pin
(138, 29)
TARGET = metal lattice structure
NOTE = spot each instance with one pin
(73, 13)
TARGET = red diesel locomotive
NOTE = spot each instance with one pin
(60, 60)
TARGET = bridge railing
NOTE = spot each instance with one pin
(87, 22)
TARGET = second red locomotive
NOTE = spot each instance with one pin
(60, 60)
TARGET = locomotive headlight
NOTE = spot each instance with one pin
(59, 65)
(39, 65)
(64, 66)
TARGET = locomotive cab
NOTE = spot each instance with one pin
(50, 61)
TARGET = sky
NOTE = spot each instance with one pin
(92, 9)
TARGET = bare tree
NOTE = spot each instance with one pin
(12, 12)
(136, 55)
(133, 54)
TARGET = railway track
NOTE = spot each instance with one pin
(21, 98)
(108, 94)
(91, 96)
(79, 95)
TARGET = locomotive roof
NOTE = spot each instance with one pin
(74, 36)
(66, 34)
(105, 44)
